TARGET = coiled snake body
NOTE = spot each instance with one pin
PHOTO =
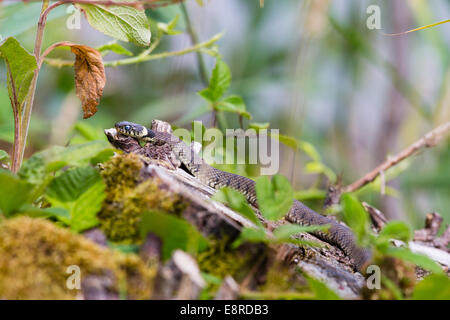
(337, 234)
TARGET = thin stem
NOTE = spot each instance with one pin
(427, 141)
(194, 41)
(25, 122)
(141, 58)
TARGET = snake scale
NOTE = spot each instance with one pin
(337, 234)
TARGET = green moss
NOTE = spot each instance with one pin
(128, 196)
(35, 254)
(220, 261)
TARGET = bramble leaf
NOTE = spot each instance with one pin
(121, 22)
(81, 192)
(219, 82)
(397, 230)
(274, 197)
(114, 47)
(236, 201)
(356, 217)
(233, 104)
(14, 192)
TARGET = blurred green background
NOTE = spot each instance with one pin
(311, 68)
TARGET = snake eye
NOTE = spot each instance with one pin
(127, 127)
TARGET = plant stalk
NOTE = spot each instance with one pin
(23, 120)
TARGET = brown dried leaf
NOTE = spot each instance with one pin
(90, 77)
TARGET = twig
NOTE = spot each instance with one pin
(427, 141)
(141, 58)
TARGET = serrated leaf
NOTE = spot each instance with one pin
(356, 217)
(114, 47)
(174, 232)
(274, 197)
(121, 22)
(418, 259)
(433, 287)
(20, 66)
(397, 230)
(233, 104)
(71, 184)
(236, 201)
(40, 164)
(219, 82)
(85, 208)
(81, 192)
(14, 192)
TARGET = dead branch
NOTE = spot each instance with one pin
(427, 141)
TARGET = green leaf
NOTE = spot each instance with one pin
(236, 201)
(320, 289)
(81, 192)
(219, 82)
(251, 235)
(286, 231)
(174, 232)
(39, 165)
(71, 184)
(57, 213)
(259, 125)
(20, 66)
(233, 104)
(274, 197)
(310, 150)
(397, 230)
(320, 168)
(288, 141)
(310, 194)
(121, 22)
(114, 47)
(198, 131)
(88, 133)
(4, 156)
(169, 28)
(433, 287)
(14, 192)
(356, 217)
(418, 259)
(85, 208)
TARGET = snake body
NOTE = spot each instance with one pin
(337, 234)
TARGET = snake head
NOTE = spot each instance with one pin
(131, 129)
